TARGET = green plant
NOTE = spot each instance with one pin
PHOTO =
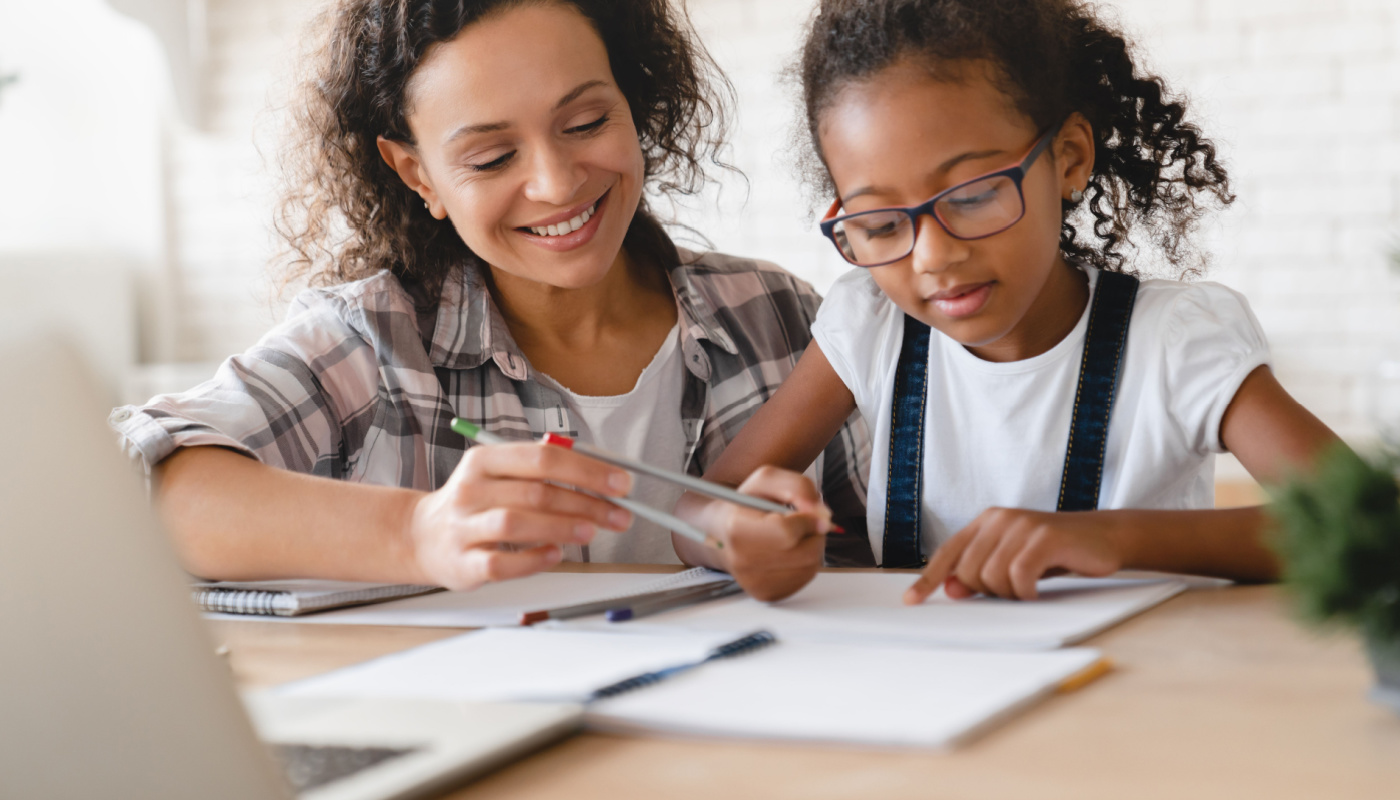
(1338, 533)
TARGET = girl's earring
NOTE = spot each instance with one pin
(1075, 196)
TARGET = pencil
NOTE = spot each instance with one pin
(680, 526)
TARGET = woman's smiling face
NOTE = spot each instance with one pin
(523, 139)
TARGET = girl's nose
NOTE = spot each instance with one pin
(934, 249)
(555, 177)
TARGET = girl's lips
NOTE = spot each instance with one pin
(570, 241)
(964, 304)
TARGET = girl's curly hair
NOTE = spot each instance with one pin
(345, 214)
(1154, 173)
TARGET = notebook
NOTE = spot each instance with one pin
(867, 607)
(503, 604)
(290, 598)
(790, 691)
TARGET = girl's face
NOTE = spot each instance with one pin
(901, 137)
(523, 139)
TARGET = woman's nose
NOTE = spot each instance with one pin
(934, 249)
(555, 176)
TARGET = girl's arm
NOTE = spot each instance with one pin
(774, 555)
(235, 518)
(1004, 551)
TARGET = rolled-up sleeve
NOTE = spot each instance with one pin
(286, 402)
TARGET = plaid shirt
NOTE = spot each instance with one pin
(358, 384)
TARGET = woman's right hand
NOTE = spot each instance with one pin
(501, 516)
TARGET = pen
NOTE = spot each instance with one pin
(738, 647)
(680, 526)
(599, 606)
(648, 607)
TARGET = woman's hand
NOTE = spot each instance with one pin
(771, 555)
(501, 515)
(1006, 550)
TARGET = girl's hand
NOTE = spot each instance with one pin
(496, 518)
(1006, 550)
(771, 555)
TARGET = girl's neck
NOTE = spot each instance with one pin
(1051, 317)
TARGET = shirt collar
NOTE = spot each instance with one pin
(470, 328)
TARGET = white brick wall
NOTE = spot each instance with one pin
(1302, 97)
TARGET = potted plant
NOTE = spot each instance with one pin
(1338, 534)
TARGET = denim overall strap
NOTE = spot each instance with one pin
(1098, 383)
(1093, 404)
(904, 491)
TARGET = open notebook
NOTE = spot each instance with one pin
(797, 691)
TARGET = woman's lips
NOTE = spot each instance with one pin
(962, 301)
(576, 239)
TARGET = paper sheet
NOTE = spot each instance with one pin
(800, 691)
(866, 607)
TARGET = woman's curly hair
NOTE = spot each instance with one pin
(346, 214)
(1154, 173)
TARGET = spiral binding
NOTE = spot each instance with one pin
(738, 647)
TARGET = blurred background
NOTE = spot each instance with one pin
(140, 140)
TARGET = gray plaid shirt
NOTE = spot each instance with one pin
(357, 384)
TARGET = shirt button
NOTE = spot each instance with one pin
(120, 415)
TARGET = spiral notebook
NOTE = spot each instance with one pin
(290, 598)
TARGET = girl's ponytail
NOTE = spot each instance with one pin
(1153, 171)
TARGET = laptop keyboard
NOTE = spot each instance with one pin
(310, 766)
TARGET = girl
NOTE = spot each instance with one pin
(991, 162)
(469, 189)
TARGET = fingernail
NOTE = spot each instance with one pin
(583, 532)
(619, 520)
(620, 482)
(911, 597)
(554, 556)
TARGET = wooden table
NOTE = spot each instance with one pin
(1216, 693)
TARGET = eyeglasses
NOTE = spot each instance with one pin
(974, 209)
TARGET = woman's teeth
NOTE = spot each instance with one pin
(566, 227)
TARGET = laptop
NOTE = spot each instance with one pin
(109, 681)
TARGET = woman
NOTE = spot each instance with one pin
(473, 195)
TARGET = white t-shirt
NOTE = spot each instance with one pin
(997, 432)
(645, 424)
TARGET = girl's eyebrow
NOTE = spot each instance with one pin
(942, 169)
(492, 127)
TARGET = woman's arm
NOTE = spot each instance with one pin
(1004, 551)
(773, 555)
(234, 518)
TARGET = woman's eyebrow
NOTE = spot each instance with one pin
(492, 127)
(576, 91)
(942, 169)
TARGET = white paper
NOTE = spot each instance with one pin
(497, 604)
(799, 691)
(866, 607)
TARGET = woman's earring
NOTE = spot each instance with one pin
(1075, 196)
(425, 205)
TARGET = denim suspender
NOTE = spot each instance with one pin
(1088, 435)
